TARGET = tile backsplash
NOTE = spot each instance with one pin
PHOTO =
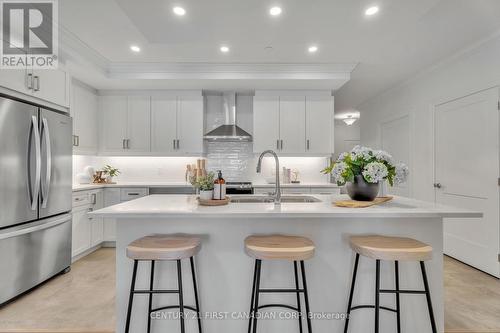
(236, 160)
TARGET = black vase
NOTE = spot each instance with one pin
(361, 190)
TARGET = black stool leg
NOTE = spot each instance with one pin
(298, 295)
(151, 295)
(398, 309)
(257, 289)
(198, 314)
(351, 294)
(306, 296)
(251, 313)
(377, 296)
(428, 296)
(131, 297)
(181, 296)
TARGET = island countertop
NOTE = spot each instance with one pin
(160, 206)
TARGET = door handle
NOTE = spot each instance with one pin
(281, 145)
(437, 185)
(307, 144)
(77, 140)
(93, 198)
(46, 133)
(29, 81)
(36, 83)
(34, 192)
(124, 144)
(178, 145)
(127, 141)
(278, 144)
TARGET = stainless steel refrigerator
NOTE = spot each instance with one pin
(35, 195)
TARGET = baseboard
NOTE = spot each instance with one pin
(108, 244)
(84, 253)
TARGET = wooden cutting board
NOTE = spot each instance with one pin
(361, 204)
(213, 202)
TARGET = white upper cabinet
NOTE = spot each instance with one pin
(51, 85)
(266, 123)
(113, 110)
(163, 124)
(138, 124)
(190, 124)
(177, 124)
(84, 110)
(319, 125)
(292, 124)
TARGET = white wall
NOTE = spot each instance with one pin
(472, 70)
(345, 136)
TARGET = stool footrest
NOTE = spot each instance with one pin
(357, 307)
(192, 308)
(280, 290)
(163, 291)
(278, 306)
(390, 291)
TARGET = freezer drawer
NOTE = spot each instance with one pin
(32, 253)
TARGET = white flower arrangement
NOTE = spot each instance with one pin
(373, 165)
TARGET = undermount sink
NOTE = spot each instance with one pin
(268, 199)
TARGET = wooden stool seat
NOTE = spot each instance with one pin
(164, 247)
(391, 248)
(279, 247)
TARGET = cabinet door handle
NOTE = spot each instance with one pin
(123, 144)
(93, 198)
(173, 141)
(29, 81)
(77, 140)
(281, 145)
(133, 193)
(178, 145)
(128, 143)
(278, 144)
(307, 144)
(36, 79)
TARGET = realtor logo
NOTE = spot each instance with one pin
(29, 34)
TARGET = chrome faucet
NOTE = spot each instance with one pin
(277, 193)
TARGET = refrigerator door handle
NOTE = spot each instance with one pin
(22, 231)
(34, 192)
(46, 133)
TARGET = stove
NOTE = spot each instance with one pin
(239, 188)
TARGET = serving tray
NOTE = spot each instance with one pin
(361, 204)
(213, 202)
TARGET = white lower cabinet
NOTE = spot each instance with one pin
(87, 232)
(111, 197)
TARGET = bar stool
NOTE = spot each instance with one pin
(158, 247)
(392, 249)
(279, 247)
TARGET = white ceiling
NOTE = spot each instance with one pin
(404, 38)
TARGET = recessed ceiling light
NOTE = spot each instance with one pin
(275, 11)
(224, 49)
(371, 11)
(312, 49)
(179, 11)
(135, 48)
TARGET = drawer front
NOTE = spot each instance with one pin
(325, 190)
(127, 194)
(295, 190)
(81, 199)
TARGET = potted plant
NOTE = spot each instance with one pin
(363, 169)
(205, 184)
(110, 172)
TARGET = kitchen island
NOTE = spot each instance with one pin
(225, 272)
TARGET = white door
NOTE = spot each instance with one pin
(139, 124)
(266, 123)
(80, 231)
(319, 125)
(113, 123)
(467, 170)
(84, 105)
(395, 137)
(163, 124)
(190, 124)
(52, 85)
(292, 124)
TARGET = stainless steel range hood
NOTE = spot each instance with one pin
(229, 131)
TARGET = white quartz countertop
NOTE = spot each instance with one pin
(168, 206)
(84, 187)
